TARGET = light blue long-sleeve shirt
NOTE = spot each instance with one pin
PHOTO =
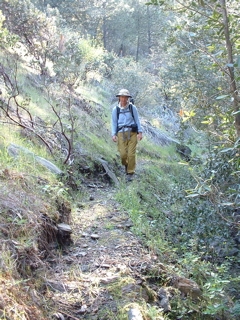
(125, 119)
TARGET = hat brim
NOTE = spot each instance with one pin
(123, 95)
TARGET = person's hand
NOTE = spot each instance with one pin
(114, 138)
(139, 136)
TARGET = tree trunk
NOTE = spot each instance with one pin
(233, 85)
(138, 38)
(137, 52)
(149, 30)
(104, 27)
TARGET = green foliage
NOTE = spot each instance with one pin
(7, 262)
(128, 74)
(3, 31)
(179, 229)
(213, 281)
(221, 171)
(58, 190)
(34, 29)
(7, 39)
(68, 72)
(182, 59)
(235, 310)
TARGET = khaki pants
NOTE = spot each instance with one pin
(127, 149)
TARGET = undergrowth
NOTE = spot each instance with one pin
(186, 232)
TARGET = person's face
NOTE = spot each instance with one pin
(123, 101)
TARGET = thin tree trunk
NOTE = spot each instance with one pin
(233, 85)
(104, 27)
(149, 30)
(138, 34)
(137, 52)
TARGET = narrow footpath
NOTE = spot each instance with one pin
(103, 274)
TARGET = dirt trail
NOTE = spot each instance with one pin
(103, 270)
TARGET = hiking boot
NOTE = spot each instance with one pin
(130, 176)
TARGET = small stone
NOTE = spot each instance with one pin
(56, 286)
(121, 267)
(64, 227)
(134, 314)
(85, 268)
(84, 234)
(165, 304)
(108, 280)
(80, 254)
(187, 287)
(94, 236)
(83, 309)
(164, 295)
(92, 186)
(91, 198)
(128, 225)
(58, 315)
(105, 265)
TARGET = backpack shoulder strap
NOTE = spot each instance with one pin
(118, 111)
(131, 110)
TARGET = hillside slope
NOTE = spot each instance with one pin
(76, 244)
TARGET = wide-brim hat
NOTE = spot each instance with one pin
(124, 93)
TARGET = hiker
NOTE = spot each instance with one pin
(126, 131)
